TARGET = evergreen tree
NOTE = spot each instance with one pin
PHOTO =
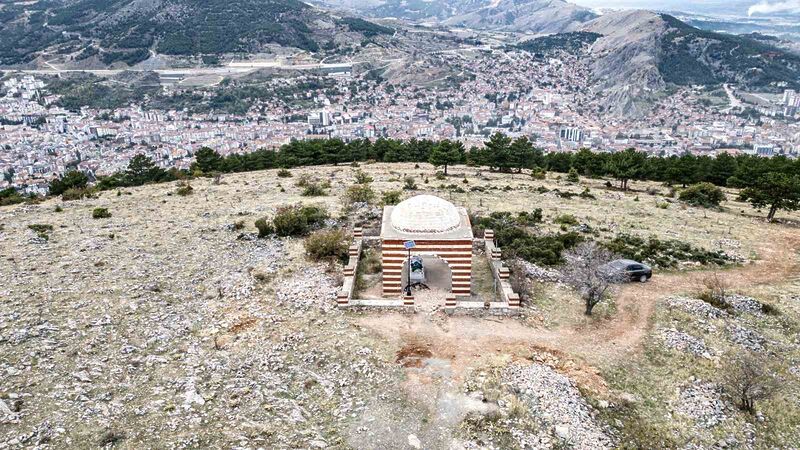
(447, 153)
(497, 152)
(626, 165)
(333, 151)
(70, 180)
(141, 170)
(722, 168)
(522, 154)
(776, 191)
(588, 163)
(207, 160)
(559, 162)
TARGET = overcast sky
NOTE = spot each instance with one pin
(652, 4)
(700, 6)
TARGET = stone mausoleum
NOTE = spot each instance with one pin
(438, 228)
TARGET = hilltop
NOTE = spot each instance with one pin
(170, 323)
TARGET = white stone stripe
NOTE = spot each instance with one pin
(443, 251)
(455, 266)
(461, 245)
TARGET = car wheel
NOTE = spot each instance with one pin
(643, 279)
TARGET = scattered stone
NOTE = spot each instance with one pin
(556, 400)
(5, 412)
(702, 402)
(743, 304)
(82, 376)
(414, 441)
(535, 272)
(310, 287)
(695, 307)
(678, 340)
(746, 337)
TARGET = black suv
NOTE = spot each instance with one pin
(626, 268)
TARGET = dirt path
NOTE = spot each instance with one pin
(464, 340)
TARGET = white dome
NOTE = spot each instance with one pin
(425, 214)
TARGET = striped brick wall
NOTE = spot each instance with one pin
(456, 253)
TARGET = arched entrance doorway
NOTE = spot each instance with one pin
(431, 291)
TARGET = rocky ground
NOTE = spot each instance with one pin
(167, 325)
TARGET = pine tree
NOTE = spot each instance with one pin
(498, 152)
(446, 153)
(626, 165)
(141, 169)
(776, 191)
(207, 160)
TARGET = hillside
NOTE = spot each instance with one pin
(528, 16)
(130, 31)
(693, 56)
(171, 325)
(634, 55)
(414, 10)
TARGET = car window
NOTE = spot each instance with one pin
(635, 267)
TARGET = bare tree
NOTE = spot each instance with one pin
(584, 271)
(748, 379)
(717, 286)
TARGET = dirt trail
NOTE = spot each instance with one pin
(463, 340)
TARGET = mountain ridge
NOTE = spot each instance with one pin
(130, 31)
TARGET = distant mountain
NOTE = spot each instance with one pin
(530, 16)
(641, 52)
(413, 10)
(634, 55)
(535, 16)
(131, 30)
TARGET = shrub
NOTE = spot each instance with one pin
(516, 241)
(666, 253)
(10, 196)
(587, 194)
(530, 218)
(58, 209)
(770, 310)
(313, 190)
(238, 225)
(184, 189)
(298, 220)
(573, 176)
(359, 193)
(410, 184)
(100, 213)
(42, 230)
(263, 225)
(749, 378)
(566, 219)
(370, 262)
(41, 227)
(303, 181)
(362, 177)
(327, 245)
(390, 198)
(714, 301)
(77, 193)
(705, 195)
(283, 173)
(440, 176)
(73, 179)
(537, 173)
